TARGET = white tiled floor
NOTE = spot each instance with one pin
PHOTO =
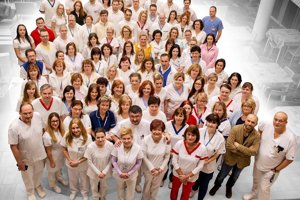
(235, 47)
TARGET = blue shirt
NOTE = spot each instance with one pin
(108, 122)
(212, 26)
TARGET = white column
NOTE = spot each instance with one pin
(262, 19)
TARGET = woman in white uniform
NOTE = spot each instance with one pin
(74, 145)
(155, 162)
(215, 145)
(90, 101)
(98, 155)
(176, 94)
(145, 91)
(188, 159)
(52, 138)
(127, 160)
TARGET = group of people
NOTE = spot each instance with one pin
(135, 89)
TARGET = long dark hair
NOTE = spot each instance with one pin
(26, 34)
(193, 91)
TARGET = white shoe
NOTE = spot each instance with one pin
(63, 181)
(40, 191)
(31, 197)
(249, 196)
(138, 188)
(193, 192)
(72, 195)
(85, 198)
(57, 189)
(170, 185)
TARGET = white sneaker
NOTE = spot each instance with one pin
(249, 196)
(193, 192)
(63, 181)
(31, 197)
(138, 188)
(40, 191)
(72, 195)
(56, 189)
(170, 185)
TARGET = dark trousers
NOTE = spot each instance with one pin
(170, 166)
(202, 183)
(224, 172)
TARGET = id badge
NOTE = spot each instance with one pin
(81, 150)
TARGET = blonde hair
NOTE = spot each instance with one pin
(126, 131)
(193, 67)
(251, 103)
(124, 99)
(69, 136)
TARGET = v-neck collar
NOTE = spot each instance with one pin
(44, 105)
(191, 151)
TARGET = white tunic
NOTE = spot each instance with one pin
(93, 10)
(99, 159)
(115, 17)
(47, 55)
(59, 21)
(139, 101)
(161, 116)
(174, 98)
(60, 44)
(165, 29)
(87, 81)
(200, 36)
(162, 96)
(126, 161)
(176, 135)
(215, 92)
(56, 105)
(28, 138)
(76, 151)
(222, 77)
(49, 9)
(231, 106)
(124, 76)
(57, 151)
(59, 83)
(188, 161)
(238, 99)
(139, 131)
(270, 154)
(156, 155)
(214, 145)
(130, 92)
(85, 119)
(22, 45)
(74, 64)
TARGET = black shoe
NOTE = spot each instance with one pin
(213, 190)
(228, 192)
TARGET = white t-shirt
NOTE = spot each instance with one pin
(28, 138)
(273, 151)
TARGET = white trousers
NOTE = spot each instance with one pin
(152, 185)
(94, 186)
(76, 176)
(261, 183)
(54, 176)
(130, 186)
(33, 175)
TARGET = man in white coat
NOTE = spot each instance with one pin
(26, 143)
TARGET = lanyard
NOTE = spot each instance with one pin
(89, 30)
(145, 102)
(108, 41)
(51, 4)
(99, 121)
(97, 70)
(177, 132)
(209, 138)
